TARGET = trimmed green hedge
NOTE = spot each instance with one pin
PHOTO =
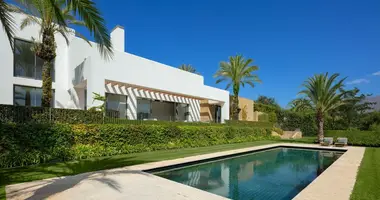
(356, 137)
(266, 108)
(259, 124)
(290, 121)
(26, 114)
(27, 144)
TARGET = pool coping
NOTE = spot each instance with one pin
(134, 182)
(214, 159)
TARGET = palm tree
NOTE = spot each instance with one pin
(8, 22)
(47, 13)
(188, 68)
(237, 71)
(300, 105)
(324, 94)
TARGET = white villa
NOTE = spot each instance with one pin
(136, 87)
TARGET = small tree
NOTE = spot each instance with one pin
(238, 71)
(98, 97)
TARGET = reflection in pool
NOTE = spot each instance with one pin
(278, 174)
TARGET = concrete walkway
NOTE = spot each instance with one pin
(131, 183)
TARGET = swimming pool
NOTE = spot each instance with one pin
(273, 174)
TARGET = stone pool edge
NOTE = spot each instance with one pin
(320, 188)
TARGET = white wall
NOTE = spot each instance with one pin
(124, 67)
(6, 53)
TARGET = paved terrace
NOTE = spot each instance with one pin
(337, 182)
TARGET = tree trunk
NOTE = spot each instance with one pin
(46, 84)
(235, 103)
(46, 51)
(320, 125)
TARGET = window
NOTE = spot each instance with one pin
(26, 63)
(144, 109)
(28, 96)
(116, 105)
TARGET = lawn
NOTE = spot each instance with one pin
(367, 184)
(24, 174)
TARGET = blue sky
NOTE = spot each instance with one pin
(289, 40)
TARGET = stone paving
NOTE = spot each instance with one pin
(131, 183)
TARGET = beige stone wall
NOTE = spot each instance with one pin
(246, 113)
(207, 111)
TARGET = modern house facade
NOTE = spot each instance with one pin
(135, 87)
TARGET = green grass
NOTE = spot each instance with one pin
(367, 184)
(31, 173)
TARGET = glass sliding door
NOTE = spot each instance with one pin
(182, 112)
(116, 105)
(163, 110)
(144, 109)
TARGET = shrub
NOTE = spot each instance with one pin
(278, 130)
(272, 117)
(25, 114)
(375, 127)
(27, 144)
(290, 121)
(263, 117)
(265, 108)
(355, 137)
(258, 124)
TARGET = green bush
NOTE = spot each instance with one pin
(259, 124)
(25, 114)
(266, 108)
(263, 117)
(272, 117)
(375, 127)
(369, 119)
(290, 121)
(27, 144)
(358, 138)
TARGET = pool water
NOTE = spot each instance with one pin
(276, 174)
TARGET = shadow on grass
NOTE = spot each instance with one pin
(77, 168)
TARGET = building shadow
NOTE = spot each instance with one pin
(66, 180)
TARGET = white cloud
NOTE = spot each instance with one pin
(376, 73)
(358, 81)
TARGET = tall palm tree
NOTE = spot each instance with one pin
(48, 14)
(325, 93)
(237, 71)
(188, 68)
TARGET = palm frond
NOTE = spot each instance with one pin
(95, 23)
(238, 71)
(29, 20)
(188, 68)
(7, 21)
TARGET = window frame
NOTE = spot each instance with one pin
(26, 86)
(35, 58)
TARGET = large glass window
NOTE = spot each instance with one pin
(28, 96)
(144, 108)
(26, 63)
(182, 112)
(117, 105)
